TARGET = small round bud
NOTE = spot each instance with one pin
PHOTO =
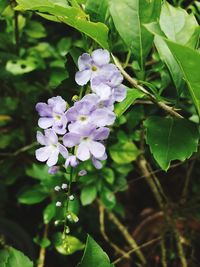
(57, 188)
(58, 204)
(76, 219)
(69, 217)
(75, 98)
(64, 186)
(53, 170)
(57, 222)
(82, 173)
(71, 197)
(67, 230)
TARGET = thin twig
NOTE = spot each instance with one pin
(103, 232)
(130, 240)
(135, 84)
(140, 247)
(19, 151)
(42, 254)
(163, 252)
(187, 181)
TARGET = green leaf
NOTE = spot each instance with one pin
(189, 62)
(11, 257)
(38, 171)
(73, 244)
(178, 25)
(97, 10)
(36, 30)
(21, 66)
(32, 196)
(72, 16)
(123, 153)
(129, 17)
(108, 175)
(88, 194)
(132, 95)
(171, 139)
(108, 198)
(94, 256)
(3, 5)
(49, 213)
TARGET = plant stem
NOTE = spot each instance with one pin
(130, 240)
(135, 84)
(103, 232)
(163, 252)
(42, 254)
(16, 23)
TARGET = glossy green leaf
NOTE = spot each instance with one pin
(94, 256)
(88, 194)
(132, 95)
(171, 139)
(32, 196)
(38, 171)
(123, 153)
(97, 10)
(49, 213)
(189, 62)
(108, 175)
(21, 66)
(72, 16)
(129, 17)
(10, 257)
(73, 244)
(108, 198)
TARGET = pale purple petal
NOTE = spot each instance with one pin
(71, 161)
(42, 154)
(71, 139)
(58, 104)
(45, 123)
(83, 152)
(53, 169)
(103, 91)
(63, 151)
(97, 149)
(41, 138)
(97, 164)
(59, 129)
(52, 138)
(43, 109)
(100, 57)
(53, 158)
(84, 61)
(82, 77)
(84, 107)
(72, 114)
(103, 117)
(101, 134)
(119, 93)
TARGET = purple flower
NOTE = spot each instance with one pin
(87, 142)
(53, 114)
(87, 114)
(90, 65)
(108, 79)
(119, 93)
(53, 169)
(97, 163)
(51, 148)
(82, 173)
(71, 161)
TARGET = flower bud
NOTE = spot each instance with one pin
(64, 186)
(82, 173)
(75, 98)
(71, 197)
(58, 204)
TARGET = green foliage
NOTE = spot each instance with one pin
(72, 16)
(190, 69)
(88, 194)
(132, 95)
(129, 17)
(74, 244)
(94, 256)
(170, 139)
(10, 257)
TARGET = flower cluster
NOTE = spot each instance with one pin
(83, 128)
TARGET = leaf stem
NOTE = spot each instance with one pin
(135, 84)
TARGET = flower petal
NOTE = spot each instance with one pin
(97, 149)
(97, 164)
(63, 151)
(51, 137)
(119, 93)
(45, 123)
(71, 139)
(84, 61)
(58, 104)
(83, 152)
(53, 158)
(100, 57)
(43, 153)
(41, 138)
(82, 77)
(103, 117)
(101, 134)
(103, 91)
(43, 109)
